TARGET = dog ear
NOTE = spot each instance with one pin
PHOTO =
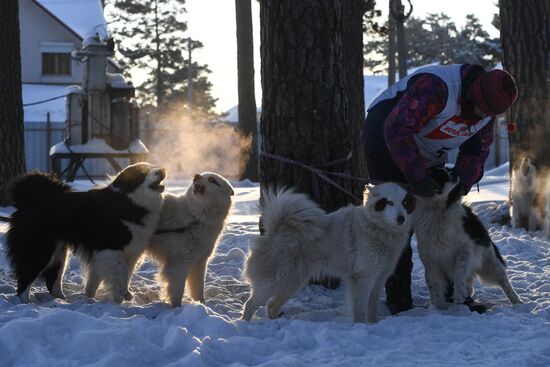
(409, 203)
(369, 187)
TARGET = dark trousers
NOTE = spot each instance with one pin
(381, 167)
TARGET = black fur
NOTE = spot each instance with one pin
(475, 229)
(381, 204)
(497, 253)
(49, 214)
(409, 203)
(477, 232)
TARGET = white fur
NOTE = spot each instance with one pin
(116, 268)
(359, 244)
(184, 256)
(450, 256)
(524, 190)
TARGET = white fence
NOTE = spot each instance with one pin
(41, 135)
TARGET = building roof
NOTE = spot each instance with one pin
(81, 17)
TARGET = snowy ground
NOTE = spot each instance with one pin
(314, 329)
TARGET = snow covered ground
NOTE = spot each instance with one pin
(315, 329)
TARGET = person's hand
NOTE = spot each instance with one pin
(426, 188)
(456, 194)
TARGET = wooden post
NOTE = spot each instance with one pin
(48, 141)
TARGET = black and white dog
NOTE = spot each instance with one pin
(107, 228)
(455, 247)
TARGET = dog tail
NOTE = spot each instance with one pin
(35, 188)
(285, 209)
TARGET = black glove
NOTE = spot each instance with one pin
(456, 194)
(426, 188)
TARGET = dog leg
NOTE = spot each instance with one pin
(93, 281)
(257, 298)
(374, 297)
(54, 272)
(174, 277)
(359, 291)
(494, 272)
(281, 297)
(437, 285)
(460, 275)
(132, 262)
(195, 280)
(111, 267)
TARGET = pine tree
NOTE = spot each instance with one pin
(437, 39)
(151, 36)
(12, 149)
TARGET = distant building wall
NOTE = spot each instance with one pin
(41, 32)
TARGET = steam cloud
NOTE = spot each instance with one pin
(187, 147)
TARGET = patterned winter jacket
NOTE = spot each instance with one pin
(423, 99)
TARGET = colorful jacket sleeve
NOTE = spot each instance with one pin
(424, 98)
(472, 156)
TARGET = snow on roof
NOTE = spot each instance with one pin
(39, 92)
(374, 85)
(233, 113)
(98, 146)
(84, 17)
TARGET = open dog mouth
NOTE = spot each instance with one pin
(199, 188)
(158, 185)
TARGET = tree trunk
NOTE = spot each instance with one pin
(525, 37)
(401, 41)
(247, 101)
(355, 89)
(304, 104)
(12, 148)
(391, 47)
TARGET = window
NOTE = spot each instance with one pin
(54, 63)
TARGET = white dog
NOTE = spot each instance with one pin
(454, 247)
(524, 191)
(187, 234)
(359, 244)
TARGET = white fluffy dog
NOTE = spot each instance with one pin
(455, 247)
(187, 234)
(359, 244)
(524, 191)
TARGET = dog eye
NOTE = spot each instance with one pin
(380, 204)
(213, 180)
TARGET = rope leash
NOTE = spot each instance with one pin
(322, 173)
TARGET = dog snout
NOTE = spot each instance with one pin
(400, 219)
(197, 177)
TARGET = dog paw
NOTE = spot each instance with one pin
(128, 296)
(458, 299)
(474, 307)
